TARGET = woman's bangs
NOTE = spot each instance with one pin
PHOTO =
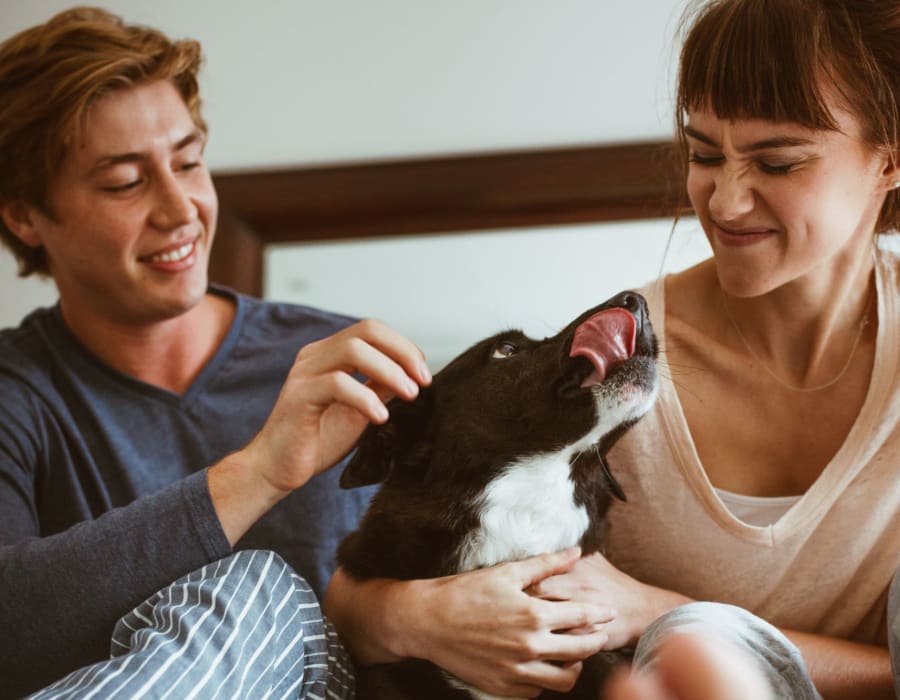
(755, 60)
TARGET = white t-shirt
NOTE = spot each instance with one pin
(826, 563)
(756, 510)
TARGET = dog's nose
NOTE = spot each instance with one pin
(632, 301)
(636, 304)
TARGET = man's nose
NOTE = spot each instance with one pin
(172, 206)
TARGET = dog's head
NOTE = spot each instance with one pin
(510, 396)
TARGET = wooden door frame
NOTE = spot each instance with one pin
(428, 195)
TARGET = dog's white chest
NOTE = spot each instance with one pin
(529, 509)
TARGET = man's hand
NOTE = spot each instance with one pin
(319, 415)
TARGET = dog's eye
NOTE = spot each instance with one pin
(504, 350)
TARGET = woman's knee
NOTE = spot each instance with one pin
(894, 604)
(893, 627)
(718, 619)
(777, 657)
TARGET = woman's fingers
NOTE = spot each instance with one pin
(537, 676)
(486, 631)
(530, 572)
(623, 686)
(554, 588)
(563, 616)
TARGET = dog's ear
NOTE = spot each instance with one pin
(382, 448)
(371, 463)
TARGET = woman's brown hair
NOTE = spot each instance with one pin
(51, 74)
(775, 59)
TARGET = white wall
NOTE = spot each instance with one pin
(18, 296)
(295, 82)
(446, 292)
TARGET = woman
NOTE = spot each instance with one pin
(766, 476)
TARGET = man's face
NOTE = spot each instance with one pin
(133, 211)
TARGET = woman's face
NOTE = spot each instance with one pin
(780, 202)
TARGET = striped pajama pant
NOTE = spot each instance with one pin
(243, 627)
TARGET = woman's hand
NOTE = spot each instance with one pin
(319, 415)
(594, 579)
(481, 626)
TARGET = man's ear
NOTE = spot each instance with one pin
(383, 448)
(21, 218)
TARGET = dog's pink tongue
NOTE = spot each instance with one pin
(606, 339)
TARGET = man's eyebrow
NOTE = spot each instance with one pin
(776, 142)
(132, 157)
(193, 137)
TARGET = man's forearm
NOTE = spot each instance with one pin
(239, 496)
(62, 594)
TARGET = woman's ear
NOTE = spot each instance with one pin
(891, 172)
(20, 218)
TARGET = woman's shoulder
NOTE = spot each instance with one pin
(688, 295)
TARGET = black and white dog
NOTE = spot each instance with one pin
(501, 458)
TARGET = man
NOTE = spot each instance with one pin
(150, 424)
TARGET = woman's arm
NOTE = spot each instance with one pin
(839, 668)
(843, 669)
(482, 626)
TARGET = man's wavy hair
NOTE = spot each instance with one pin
(50, 75)
(774, 59)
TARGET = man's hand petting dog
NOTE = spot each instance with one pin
(319, 415)
(323, 409)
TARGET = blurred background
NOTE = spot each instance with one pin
(308, 83)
